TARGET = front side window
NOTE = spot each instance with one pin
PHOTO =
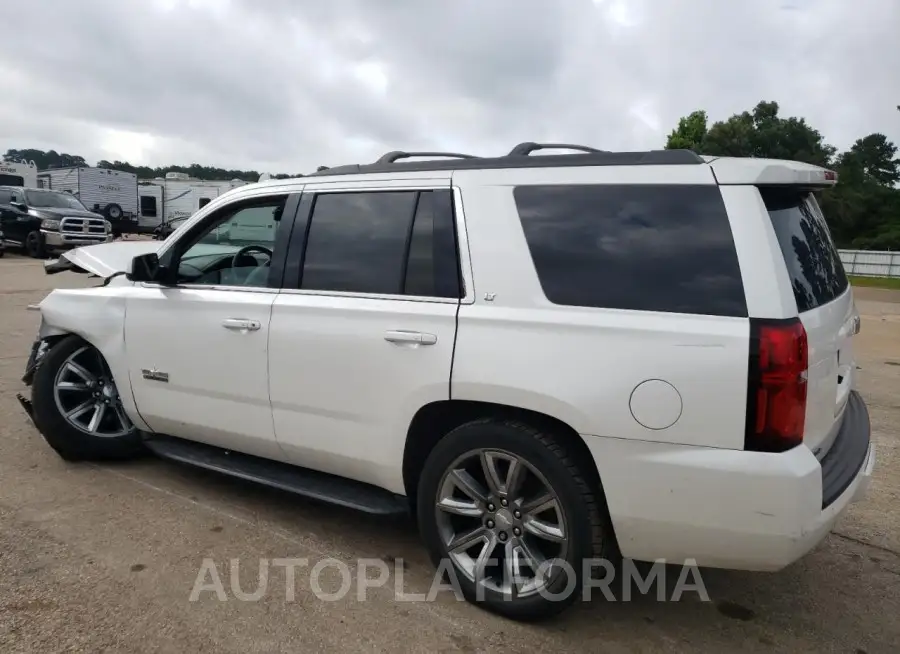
(236, 249)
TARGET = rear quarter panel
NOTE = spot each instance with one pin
(582, 365)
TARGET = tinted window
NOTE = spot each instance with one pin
(644, 248)
(5, 196)
(813, 263)
(357, 242)
(420, 264)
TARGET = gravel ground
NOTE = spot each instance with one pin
(105, 558)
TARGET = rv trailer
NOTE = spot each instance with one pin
(112, 193)
(177, 195)
(18, 173)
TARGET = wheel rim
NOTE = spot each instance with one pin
(87, 397)
(501, 522)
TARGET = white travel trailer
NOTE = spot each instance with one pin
(112, 193)
(178, 195)
(18, 173)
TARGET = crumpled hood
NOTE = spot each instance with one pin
(103, 260)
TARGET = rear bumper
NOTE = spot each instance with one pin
(731, 508)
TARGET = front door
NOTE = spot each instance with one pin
(364, 337)
(197, 349)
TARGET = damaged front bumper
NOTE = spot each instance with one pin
(38, 350)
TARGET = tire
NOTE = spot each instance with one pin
(112, 212)
(69, 441)
(584, 519)
(34, 245)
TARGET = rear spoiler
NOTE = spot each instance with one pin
(770, 172)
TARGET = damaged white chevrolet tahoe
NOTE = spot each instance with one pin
(546, 359)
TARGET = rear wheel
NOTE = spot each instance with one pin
(76, 405)
(34, 245)
(514, 515)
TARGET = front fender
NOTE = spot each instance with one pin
(98, 316)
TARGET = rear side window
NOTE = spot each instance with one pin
(813, 263)
(386, 243)
(662, 248)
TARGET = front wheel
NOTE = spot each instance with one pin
(515, 516)
(34, 245)
(76, 405)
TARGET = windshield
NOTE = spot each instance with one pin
(53, 200)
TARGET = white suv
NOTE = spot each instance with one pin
(550, 358)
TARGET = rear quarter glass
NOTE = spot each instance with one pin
(662, 248)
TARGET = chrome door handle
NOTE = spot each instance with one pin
(401, 336)
(241, 324)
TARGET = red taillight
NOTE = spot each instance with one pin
(776, 393)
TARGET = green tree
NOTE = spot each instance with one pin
(690, 132)
(863, 209)
(45, 160)
(757, 133)
(875, 158)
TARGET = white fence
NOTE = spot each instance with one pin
(871, 263)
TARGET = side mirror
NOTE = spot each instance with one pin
(145, 268)
(19, 205)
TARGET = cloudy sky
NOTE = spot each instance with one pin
(286, 85)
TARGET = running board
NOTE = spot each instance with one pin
(300, 481)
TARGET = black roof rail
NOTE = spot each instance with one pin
(526, 148)
(389, 163)
(393, 156)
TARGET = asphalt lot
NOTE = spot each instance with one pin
(105, 558)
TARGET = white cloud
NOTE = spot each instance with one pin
(287, 85)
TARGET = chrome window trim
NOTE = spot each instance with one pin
(211, 287)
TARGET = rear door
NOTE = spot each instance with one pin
(825, 305)
(362, 334)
